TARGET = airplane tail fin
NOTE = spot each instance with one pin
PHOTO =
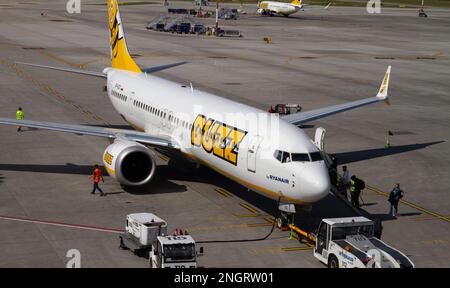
(120, 57)
(297, 2)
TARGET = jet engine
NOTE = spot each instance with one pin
(130, 163)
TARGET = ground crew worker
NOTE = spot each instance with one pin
(20, 115)
(355, 190)
(344, 184)
(394, 198)
(96, 176)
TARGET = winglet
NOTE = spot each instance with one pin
(383, 92)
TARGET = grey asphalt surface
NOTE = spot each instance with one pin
(316, 58)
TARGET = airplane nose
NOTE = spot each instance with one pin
(315, 184)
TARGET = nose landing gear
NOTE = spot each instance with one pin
(286, 217)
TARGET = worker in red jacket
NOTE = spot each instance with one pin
(96, 176)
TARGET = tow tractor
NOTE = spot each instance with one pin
(349, 243)
(146, 236)
(174, 252)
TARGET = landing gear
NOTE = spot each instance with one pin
(286, 217)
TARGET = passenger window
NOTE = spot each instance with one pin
(300, 157)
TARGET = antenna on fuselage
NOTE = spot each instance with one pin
(192, 87)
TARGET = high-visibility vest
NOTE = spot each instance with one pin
(352, 186)
(20, 115)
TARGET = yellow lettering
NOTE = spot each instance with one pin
(220, 140)
(235, 138)
(197, 130)
(218, 137)
(108, 158)
(207, 139)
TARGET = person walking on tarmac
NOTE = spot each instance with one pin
(20, 115)
(394, 198)
(96, 176)
(356, 186)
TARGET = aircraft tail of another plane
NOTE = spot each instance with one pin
(120, 56)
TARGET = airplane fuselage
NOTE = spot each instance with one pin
(236, 140)
(277, 8)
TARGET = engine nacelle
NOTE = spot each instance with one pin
(129, 162)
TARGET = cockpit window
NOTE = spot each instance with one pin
(300, 157)
(278, 155)
(282, 156)
(316, 156)
(286, 157)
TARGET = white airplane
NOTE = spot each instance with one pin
(274, 8)
(203, 127)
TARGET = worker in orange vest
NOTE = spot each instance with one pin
(96, 176)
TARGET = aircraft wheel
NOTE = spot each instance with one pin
(281, 222)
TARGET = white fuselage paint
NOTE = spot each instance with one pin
(296, 182)
(278, 8)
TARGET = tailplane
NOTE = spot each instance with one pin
(120, 57)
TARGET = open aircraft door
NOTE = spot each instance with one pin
(319, 141)
(252, 152)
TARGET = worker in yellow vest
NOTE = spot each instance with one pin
(20, 115)
(356, 186)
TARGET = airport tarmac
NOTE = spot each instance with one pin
(316, 58)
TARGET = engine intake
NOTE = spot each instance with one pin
(129, 162)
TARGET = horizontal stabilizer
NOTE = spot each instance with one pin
(162, 67)
(71, 70)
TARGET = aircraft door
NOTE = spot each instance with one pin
(322, 238)
(252, 152)
(164, 118)
(168, 118)
(319, 141)
(319, 138)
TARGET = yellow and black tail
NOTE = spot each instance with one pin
(120, 57)
(297, 2)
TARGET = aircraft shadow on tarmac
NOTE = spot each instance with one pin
(329, 207)
(159, 184)
(355, 156)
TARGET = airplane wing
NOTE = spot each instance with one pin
(307, 116)
(140, 137)
(315, 7)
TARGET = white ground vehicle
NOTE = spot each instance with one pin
(142, 229)
(174, 252)
(349, 243)
(146, 235)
